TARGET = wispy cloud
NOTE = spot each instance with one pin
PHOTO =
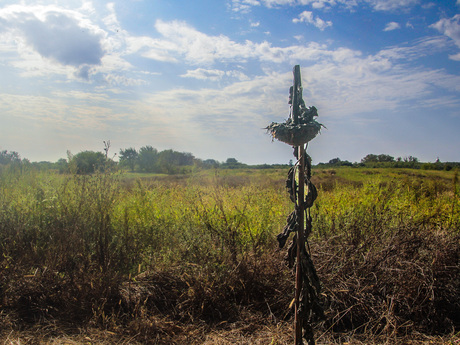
(181, 41)
(214, 74)
(204, 74)
(391, 5)
(307, 17)
(379, 5)
(318, 4)
(243, 6)
(392, 26)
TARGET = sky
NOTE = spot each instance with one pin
(207, 76)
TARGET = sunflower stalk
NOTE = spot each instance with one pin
(298, 130)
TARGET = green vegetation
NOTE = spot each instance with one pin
(387, 161)
(160, 256)
(149, 160)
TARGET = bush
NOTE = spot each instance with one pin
(88, 162)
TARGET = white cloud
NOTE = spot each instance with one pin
(56, 34)
(455, 57)
(340, 82)
(307, 17)
(392, 26)
(379, 5)
(111, 20)
(118, 79)
(51, 40)
(319, 4)
(391, 5)
(213, 74)
(181, 41)
(243, 6)
(204, 74)
(197, 47)
(450, 28)
(342, 86)
(416, 50)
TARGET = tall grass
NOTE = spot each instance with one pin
(388, 251)
(381, 241)
(387, 205)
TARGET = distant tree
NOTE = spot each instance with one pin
(62, 165)
(107, 148)
(87, 162)
(411, 159)
(232, 163)
(170, 160)
(370, 158)
(129, 157)
(385, 158)
(186, 158)
(147, 158)
(335, 161)
(43, 165)
(9, 157)
(210, 163)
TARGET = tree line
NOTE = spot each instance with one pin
(387, 161)
(149, 160)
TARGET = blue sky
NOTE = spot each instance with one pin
(207, 76)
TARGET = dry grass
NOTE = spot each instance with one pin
(387, 278)
(406, 291)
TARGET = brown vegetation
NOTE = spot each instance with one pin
(388, 275)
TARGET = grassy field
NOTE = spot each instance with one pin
(193, 259)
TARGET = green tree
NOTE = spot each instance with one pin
(170, 160)
(335, 161)
(9, 157)
(385, 158)
(167, 162)
(370, 158)
(147, 158)
(129, 157)
(61, 165)
(210, 163)
(410, 159)
(87, 162)
(232, 163)
(382, 158)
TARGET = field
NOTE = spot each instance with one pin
(117, 258)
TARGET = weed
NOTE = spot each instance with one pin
(152, 256)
